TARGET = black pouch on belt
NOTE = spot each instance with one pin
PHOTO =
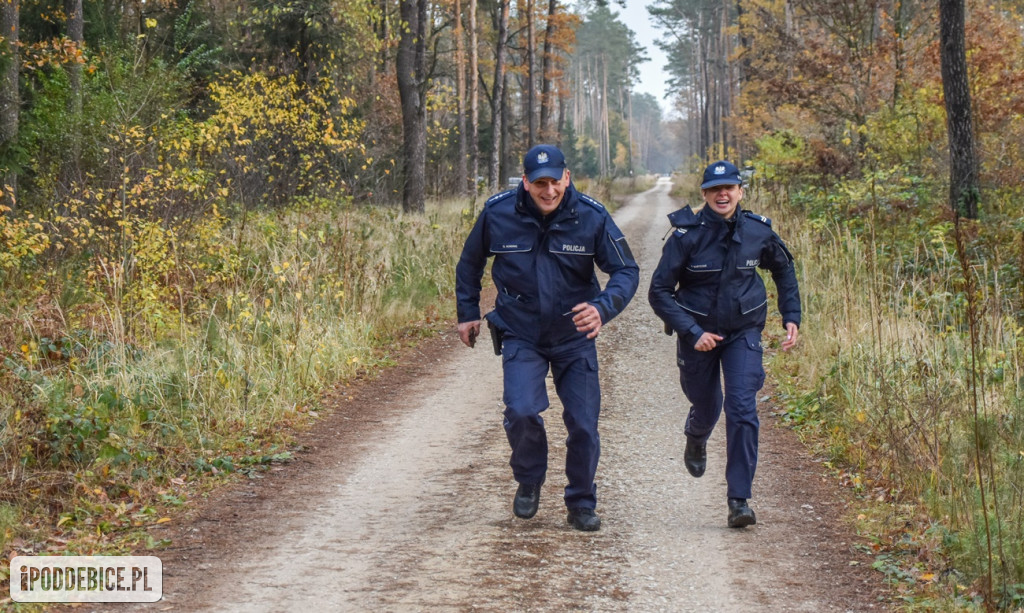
(496, 334)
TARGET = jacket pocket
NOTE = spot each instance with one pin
(753, 301)
(696, 307)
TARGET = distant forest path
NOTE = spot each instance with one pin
(401, 500)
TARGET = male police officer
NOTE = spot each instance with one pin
(707, 289)
(546, 238)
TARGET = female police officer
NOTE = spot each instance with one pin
(546, 238)
(707, 290)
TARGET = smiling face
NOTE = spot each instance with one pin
(547, 192)
(723, 199)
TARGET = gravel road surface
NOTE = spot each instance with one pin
(401, 500)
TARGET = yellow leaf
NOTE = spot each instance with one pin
(163, 520)
(927, 576)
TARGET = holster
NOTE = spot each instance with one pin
(496, 336)
(668, 329)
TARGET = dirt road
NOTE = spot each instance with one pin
(402, 501)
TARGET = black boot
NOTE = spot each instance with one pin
(527, 500)
(740, 515)
(696, 456)
(584, 519)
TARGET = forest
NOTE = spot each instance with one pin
(213, 210)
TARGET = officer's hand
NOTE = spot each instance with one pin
(792, 333)
(707, 341)
(468, 331)
(587, 319)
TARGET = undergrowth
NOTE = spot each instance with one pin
(910, 377)
(129, 381)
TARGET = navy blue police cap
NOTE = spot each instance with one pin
(721, 173)
(543, 161)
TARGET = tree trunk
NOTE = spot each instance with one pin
(411, 68)
(899, 52)
(498, 95)
(963, 164)
(531, 77)
(606, 153)
(383, 36)
(506, 140)
(75, 27)
(10, 97)
(547, 102)
(474, 100)
(461, 169)
(725, 90)
(629, 135)
(705, 119)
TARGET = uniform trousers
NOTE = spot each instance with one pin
(738, 363)
(574, 369)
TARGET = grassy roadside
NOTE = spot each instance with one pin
(909, 380)
(119, 406)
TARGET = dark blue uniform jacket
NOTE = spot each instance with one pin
(707, 280)
(543, 268)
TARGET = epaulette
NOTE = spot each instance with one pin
(761, 218)
(499, 196)
(682, 221)
(594, 203)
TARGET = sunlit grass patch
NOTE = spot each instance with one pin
(125, 386)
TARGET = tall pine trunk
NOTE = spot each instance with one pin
(411, 69)
(474, 98)
(531, 77)
(461, 169)
(963, 163)
(498, 95)
(75, 31)
(10, 98)
(547, 101)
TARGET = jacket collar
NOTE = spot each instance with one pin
(718, 224)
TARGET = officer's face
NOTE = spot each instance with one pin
(723, 199)
(547, 192)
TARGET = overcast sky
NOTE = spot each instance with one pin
(652, 73)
